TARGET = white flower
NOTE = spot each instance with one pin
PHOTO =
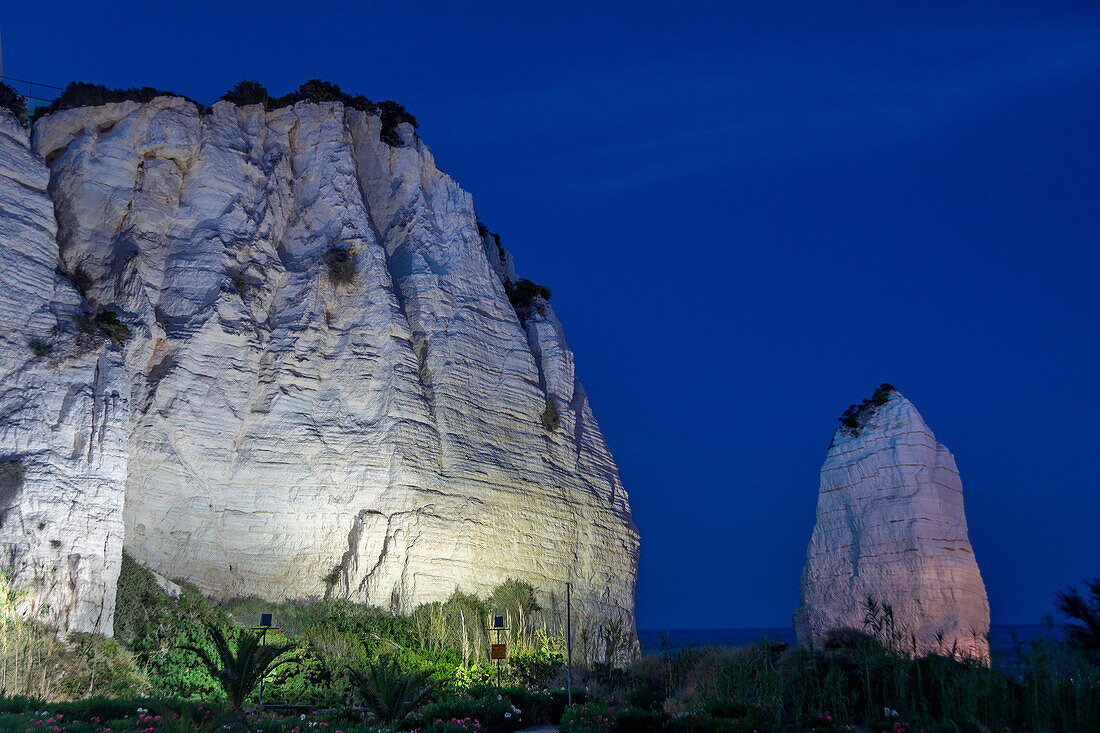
(498, 697)
(507, 715)
(303, 717)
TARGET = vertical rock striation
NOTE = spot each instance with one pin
(292, 426)
(64, 415)
(890, 525)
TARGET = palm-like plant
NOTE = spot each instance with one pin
(240, 672)
(388, 693)
(1083, 611)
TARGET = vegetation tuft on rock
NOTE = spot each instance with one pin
(341, 265)
(13, 102)
(317, 90)
(856, 416)
(105, 323)
(39, 348)
(549, 415)
(84, 94)
(246, 92)
(522, 294)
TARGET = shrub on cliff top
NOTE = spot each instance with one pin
(247, 91)
(84, 94)
(856, 416)
(522, 294)
(317, 90)
(12, 101)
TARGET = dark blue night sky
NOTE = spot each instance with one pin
(750, 216)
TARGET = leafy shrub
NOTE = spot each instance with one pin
(341, 265)
(856, 416)
(1082, 611)
(333, 576)
(495, 713)
(104, 322)
(247, 92)
(592, 716)
(12, 101)
(239, 670)
(155, 627)
(83, 94)
(108, 323)
(522, 294)
(317, 90)
(549, 415)
(39, 348)
(390, 694)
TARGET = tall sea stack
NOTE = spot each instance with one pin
(891, 527)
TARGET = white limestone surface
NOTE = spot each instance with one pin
(891, 525)
(284, 424)
(64, 416)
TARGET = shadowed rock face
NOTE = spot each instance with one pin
(890, 525)
(64, 416)
(285, 422)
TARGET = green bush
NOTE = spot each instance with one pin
(1082, 611)
(84, 94)
(39, 348)
(341, 265)
(319, 91)
(856, 416)
(154, 627)
(495, 713)
(108, 323)
(247, 92)
(549, 416)
(522, 294)
(12, 101)
(591, 716)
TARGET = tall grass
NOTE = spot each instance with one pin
(1053, 688)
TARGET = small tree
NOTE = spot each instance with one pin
(247, 91)
(1082, 628)
(390, 694)
(12, 102)
(239, 673)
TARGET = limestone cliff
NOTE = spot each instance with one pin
(325, 370)
(890, 525)
(64, 415)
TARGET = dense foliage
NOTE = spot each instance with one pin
(244, 92)
(856, 416)
(428, 672)
(522, 294)
(84, 94)
(12, 101)
(341, 270)
(1082, 611)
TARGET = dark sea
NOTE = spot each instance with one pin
(1005, 641)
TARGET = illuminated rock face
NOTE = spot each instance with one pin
(890, 525)
(284, 423)
(64, 416)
